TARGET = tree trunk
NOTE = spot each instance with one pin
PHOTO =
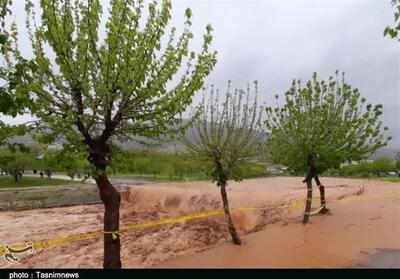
(99, 157)
(322, 193)
(309, 198)
(111, 200)
(232, 230)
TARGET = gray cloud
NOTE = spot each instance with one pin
(276, 41)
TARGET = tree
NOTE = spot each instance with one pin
(382, 165)
(5, 163)
(123, 86)
(177, 168)
(121, 162)
(68, 159)
(13, 161)
(321, 126)
(363, 169)
(38, 151)
(142, 165)
(4, 10)
(4, 97)
(398, 161)
(17, 166)
(11, 102)
(155, 166)
(377, 167)
(394, 31)
(226, 137)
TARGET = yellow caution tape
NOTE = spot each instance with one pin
(365, 198)
(43, 244)
(114, 234)
(316, 211)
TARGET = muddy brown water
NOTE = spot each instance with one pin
(382, 258)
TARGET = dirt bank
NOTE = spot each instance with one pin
(178, 244)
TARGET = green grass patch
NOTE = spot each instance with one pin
(9, 182)
(160, 177)
(35, 198)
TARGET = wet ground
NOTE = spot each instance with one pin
(382, 258)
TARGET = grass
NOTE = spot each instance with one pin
(9, 182)
(47, 197)
(175, 178)
(35, 198)
(160, 177)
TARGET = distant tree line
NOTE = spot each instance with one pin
(378, 167)
(145, 164)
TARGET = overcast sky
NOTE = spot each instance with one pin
(276, 41)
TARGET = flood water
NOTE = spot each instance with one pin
(383, 258)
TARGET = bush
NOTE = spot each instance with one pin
(382, 165)
(255, 170)
(365, 169)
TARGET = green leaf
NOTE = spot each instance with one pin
(188, 13)
(3, 39)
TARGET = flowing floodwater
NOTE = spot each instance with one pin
(272, 238)
(382, 258)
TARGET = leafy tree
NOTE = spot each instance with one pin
(394, 31)
(363, 168)
(348, 170)
(177, 166)
(321, 126)
(95, 91)
(121, 162)
(5, 163)
(377, 167)
(11, 103)
(255, 170)
(13, 161)
(141, 165)
(4, 10)
(226, 138)
(68, 160)
(155, 166)
(17, 166)
(4, 100)
(382, 165)
(38, 151)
